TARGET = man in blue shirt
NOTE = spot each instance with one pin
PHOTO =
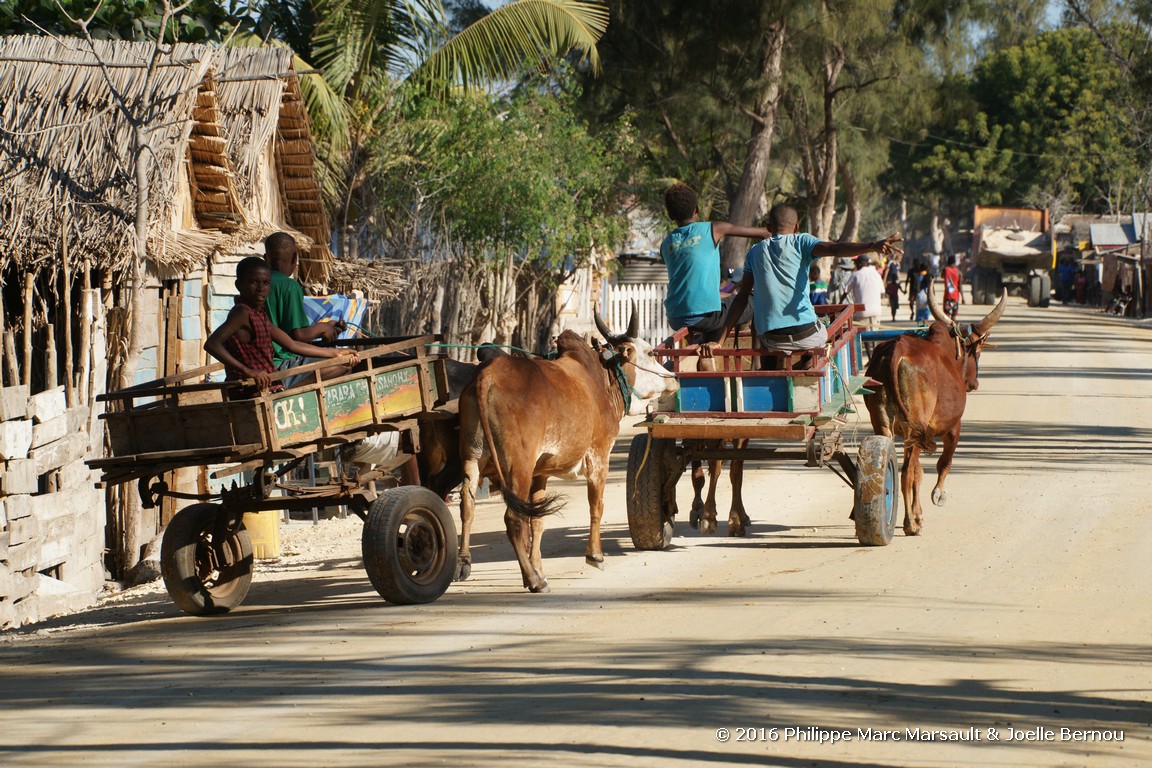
(690, 252)
(778, 268)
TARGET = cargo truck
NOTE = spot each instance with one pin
(1012, 248)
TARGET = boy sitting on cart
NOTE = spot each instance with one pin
(244, 342)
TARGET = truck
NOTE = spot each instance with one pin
(1012, 248)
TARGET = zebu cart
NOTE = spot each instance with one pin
(797, 413)
(409, 540)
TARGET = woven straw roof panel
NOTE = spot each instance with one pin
(59, 121)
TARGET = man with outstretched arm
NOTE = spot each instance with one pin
(778, 268)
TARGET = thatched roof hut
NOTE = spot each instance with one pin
(227, 132)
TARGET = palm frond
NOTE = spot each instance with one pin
(498, 46)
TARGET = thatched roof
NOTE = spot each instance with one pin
(67, 165)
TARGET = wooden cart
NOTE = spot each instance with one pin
(795, 413)
(409, 540)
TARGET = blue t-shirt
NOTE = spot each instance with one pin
(693, 262)
(779, 269)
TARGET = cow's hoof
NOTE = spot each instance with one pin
(595, 561)
(540, 588)
(939, 497)
(463, 571)
(707, 527)
(694, 517)
(737, 530)
(911, 531)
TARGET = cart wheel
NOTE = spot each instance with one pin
(204, 576)
(409, 545)
(877, 502)
(650, 528)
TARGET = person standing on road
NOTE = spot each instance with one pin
(692, 257)
(866, 287)
(778, 268)
(953, 296)
(892, 285)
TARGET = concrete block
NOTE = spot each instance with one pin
(13, 402)
(19, 507)
(48, 507)
(190, 306)
(3, 520)
(90, 553)
(191, 354)
(16, 585)
(19, 476)
(223, 285)
(15, 439)
(57, 454)
(75, 474)
(191, 328)
(77, 418)
(49, 431)
(47, 405)
(194, 288)
(53, 552)
(7, 614)
(22, 531)
(27, 611)
(58, 597)
(217, 318)
(23, 557)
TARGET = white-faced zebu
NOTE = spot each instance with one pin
(524, 420)
(924, 387)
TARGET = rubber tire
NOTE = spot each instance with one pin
(409, 545)
(184, 562)
(1045, 290)
(643, 491)
(877, 493)
(979, 286)
(1034, 289)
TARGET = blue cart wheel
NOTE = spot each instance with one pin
(877, 497)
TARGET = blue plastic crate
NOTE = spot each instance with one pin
(703, 395)
(765, 393)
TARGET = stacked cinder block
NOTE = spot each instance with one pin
(51, 515)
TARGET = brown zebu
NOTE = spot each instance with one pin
(924, 387)
(524, 420)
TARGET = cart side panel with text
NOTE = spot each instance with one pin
(409, 539)
(795, 413)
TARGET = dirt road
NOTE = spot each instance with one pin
(1017, 622)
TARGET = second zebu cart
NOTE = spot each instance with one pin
(798, 412)
(409, 540)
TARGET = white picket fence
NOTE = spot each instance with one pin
(649, 300)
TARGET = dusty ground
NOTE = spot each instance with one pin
(1021, 611)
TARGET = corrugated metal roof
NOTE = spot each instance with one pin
(1112, 235)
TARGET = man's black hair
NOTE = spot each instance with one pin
(781, 215)
(680, 202)
(278, 241)
(249, 264)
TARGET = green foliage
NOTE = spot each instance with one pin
(520, 177)
(1037, 122)
(202, 21)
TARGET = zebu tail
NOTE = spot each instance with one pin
(545, 506)
(912, 431)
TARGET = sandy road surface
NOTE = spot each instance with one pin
(1024, 606)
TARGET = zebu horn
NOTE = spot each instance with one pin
(634, 322)
(935, 308)
(992, 317)
(602, 326)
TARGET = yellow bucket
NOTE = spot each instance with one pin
(264, 530)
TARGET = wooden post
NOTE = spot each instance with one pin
(29, 281)
(66, 309)
(87, 317)
(51, 376)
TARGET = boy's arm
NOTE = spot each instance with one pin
(887, 246)
(722, 229)
(307, 350)
(214, 345)
(322, 330)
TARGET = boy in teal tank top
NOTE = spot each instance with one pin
(693, 259)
